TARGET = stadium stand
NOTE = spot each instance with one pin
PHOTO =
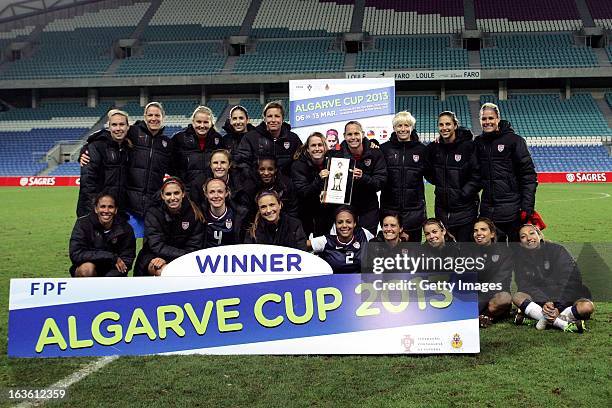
(601, 11)
(499, 16)
(174, 58)
(274, 56)
(196, 20)
(426, 109)
(86, 44)
(66, 169)
(548, 115)
(16, 32)
(21, 152)
(391, 17)
(536, 50)
(571, 158)
(307, 18)
(412, 52)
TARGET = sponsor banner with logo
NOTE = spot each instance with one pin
(428, 75)
(325, 105)
(576, 177)
(40, 181)
(247, 301)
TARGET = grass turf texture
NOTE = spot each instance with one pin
(518, 366)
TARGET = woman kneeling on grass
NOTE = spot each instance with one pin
(549, 285)
(272, 226)
(497, 270)
(172, 229)
(344, 251)
(102, 244)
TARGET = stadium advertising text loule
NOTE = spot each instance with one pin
(247, 299)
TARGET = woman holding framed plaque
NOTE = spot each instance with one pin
(368, 176)
(309, 173)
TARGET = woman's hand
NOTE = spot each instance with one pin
(324, 173)
(120, 265)
(84, 159)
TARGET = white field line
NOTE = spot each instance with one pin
(72, 379)
(601, 196)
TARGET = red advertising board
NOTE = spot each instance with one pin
(40, 181)
(576, 177)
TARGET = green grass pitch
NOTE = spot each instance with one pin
(518, 366)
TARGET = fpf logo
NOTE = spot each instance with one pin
(570, 177)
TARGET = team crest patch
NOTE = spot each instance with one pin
(216, 140)
(228, 223)
(456, 343)
(367, 162)
(457, 157)
(546, 265)
(415, 158)
(357, 245)
(164, 143)
(495, 258)
(185, 225)
(500, 148)
(407, 342)
(114, 240)
(286, 145)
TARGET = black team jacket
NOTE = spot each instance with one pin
(509, 180)
(455, 172)
(404, 191)
(107, 171)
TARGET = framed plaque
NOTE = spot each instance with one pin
(339, 184)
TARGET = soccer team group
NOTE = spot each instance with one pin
(263, 185)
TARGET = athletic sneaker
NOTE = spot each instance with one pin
(521, 320)
(541, 324)
(484, 321)
(575, 327)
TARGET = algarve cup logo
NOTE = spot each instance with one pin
(23, 181)
(570, 177)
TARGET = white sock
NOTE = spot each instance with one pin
(534, 311)
(567, 312)
(560, 323)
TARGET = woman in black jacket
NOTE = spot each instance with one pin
(102, 244)
(240, 185)
(194, 145)
(308, 174)
(236, 126)
(150, 160)
(406, 161)
(369, 176)
(109, 159)
(173, 229)
(455, 172)
(273, 227)
(509, 180)
(549, 284)
(270, 178)
(272, 137)
(498, 265)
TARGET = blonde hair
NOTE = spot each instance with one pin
(490, 106)
(205, 110)
(114, 112)
(403, 117)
